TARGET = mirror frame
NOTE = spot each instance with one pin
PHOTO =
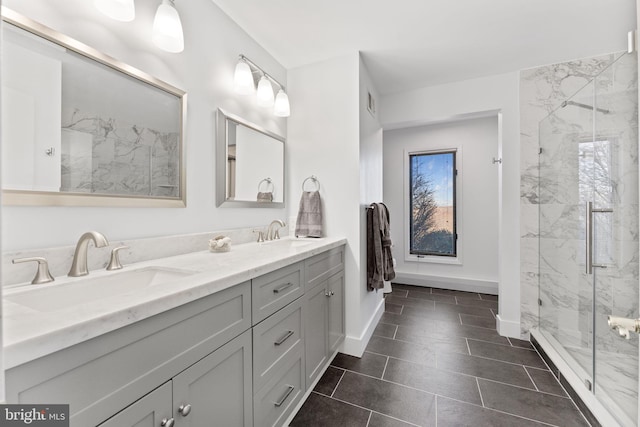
(222, 119)
(48, 198)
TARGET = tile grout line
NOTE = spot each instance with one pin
(460, 317)
(480, 392)
(503, 412)
(529, 375)
(435, 403)
(466, 340)
(338, 383)
(445, 370)
(395, 332)
(369, 419)
(384, 370)
(401, 309)
(370, 410)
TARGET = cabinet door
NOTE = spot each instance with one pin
(335, 287)
(218, 389)
(316, 324)
(150, 411)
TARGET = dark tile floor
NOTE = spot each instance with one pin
(436, 359)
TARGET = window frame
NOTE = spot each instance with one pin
(457, 194)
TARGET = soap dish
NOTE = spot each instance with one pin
(220, 244)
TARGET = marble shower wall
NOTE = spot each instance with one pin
(542, 90)
(108, 156)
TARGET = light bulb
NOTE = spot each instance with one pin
(243, 79)
(265, 92)
(281, 107)
(120, 10)
(167, 28)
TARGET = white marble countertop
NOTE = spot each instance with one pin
(29, 333)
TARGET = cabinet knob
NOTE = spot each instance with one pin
(184, 410)
(329, 293)
(167, 422)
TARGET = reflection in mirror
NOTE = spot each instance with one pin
(79, 128)
(250, 164)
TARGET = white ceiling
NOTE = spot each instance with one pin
(407, 44)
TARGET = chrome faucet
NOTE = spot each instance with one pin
(273, 234)
(79, 265)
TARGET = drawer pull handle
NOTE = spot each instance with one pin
(282, 288)
(329, 293)
(290, 388)
(184, 410)
(167, 422)
(284, 338)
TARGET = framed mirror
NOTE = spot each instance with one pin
(249, 165)
(80, 128)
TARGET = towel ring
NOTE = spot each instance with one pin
(314, 179)
(269, 181)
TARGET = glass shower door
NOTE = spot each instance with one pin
(589, 234)
(615, 235)
(566, 290)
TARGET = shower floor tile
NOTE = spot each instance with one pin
(436, 359)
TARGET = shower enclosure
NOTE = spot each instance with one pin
(588, 234)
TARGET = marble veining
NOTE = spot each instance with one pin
(108, 156)
(583, 155)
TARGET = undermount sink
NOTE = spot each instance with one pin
(74, 292)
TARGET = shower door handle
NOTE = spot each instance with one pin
(589, 240)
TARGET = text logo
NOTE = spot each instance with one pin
(34, 415)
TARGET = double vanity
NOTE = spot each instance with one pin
(235, 337)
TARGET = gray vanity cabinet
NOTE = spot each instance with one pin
(217, 390)
(324, 303)
(217, 387)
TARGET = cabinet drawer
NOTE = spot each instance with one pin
(274, 290)
(274, 403)
(101, 376)
(273, 339)
(322, 266)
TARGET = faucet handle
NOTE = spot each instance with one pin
(114, 262)
(42, 274)
(260, 235)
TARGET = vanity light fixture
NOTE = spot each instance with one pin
(167, 28)
(120, 10)
(245, 84)
(243, 79)
(281, 107)
(265, 92)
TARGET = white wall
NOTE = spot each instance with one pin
(467, 99)
(371, 303)
(204, 70)
(476, 142)
(324, 140)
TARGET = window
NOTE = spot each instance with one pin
(432, 206)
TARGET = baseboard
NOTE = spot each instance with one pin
(454, 283)
(508, 328)
(354, 346)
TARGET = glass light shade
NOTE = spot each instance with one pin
(281, 107)
(120, 10)
(265, 92)
(243, 79)
(167, 28)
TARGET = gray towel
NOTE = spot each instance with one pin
(265, 197)
(309, 221)
(379, 257)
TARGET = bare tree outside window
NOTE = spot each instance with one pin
(432, 204)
